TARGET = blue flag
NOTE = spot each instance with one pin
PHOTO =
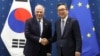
(80, 9)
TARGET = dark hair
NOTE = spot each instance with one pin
(62, 4)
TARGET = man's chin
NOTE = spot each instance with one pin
(62, 17)
(39, 17)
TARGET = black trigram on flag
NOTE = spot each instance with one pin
(18, 43)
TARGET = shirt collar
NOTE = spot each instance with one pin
(40, 20)
(65, 19)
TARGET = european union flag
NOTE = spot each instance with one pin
(80, 9)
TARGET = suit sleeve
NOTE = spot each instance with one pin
(54, 38)
(49, 35)
(50, 31)
(77, 35)
(28, 35)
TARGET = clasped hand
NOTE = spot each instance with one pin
(44, 41)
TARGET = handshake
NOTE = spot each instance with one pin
(44, 41)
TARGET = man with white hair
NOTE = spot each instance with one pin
(37, 34)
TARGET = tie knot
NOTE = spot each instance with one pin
(62, 21)
(39, 21)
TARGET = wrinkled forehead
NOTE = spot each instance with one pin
(39, 8)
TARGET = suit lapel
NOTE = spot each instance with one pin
(44, 26)
(59, 28)
(36, 26)
(66, 28)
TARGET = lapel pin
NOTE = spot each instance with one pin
(45, 24)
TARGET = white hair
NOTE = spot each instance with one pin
(39, 6)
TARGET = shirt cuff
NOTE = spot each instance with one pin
(40, 40)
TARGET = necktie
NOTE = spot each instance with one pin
(39, 22)
(62, 27)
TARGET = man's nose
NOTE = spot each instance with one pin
(39, 13)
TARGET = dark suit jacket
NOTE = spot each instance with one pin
(32, 35)
(70, 41)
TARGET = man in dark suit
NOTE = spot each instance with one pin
(37, 33)
(67, 33)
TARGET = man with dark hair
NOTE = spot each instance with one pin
(67, 33)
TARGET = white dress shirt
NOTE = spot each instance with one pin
(65, 20)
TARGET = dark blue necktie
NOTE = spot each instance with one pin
(39, 26)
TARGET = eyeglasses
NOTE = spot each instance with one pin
(61, 9)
